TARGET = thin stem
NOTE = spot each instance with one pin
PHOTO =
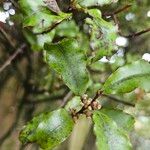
(138, 33)
(7, 37)
(98, 94)
(122, 9)
(118, 11)
(12, 57)
(15, 4)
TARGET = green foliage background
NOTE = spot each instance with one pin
(53, 54)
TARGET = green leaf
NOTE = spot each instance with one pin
(89, 3)
(103, 34)
(38, 16)
(28, 6)
(37, 41)
(123, 120)
(129, 77)
(48, 129)
(75, 103)
(109, 135)
(43, 20)
(93, 88)
(67, 28)
(70, 62)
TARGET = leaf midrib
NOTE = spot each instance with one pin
(61, 49)
(129, 78)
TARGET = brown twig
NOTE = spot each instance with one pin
(114, 16)
(93, 104)
(138, 33)
(98, 94)
(4, 33)
(12, 57)
(15, 4)
(130, 36)
(122, 9)
(118, 11)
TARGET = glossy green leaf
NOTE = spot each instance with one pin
(70, 62)
(89, 3)
(48, 129)
(123, 120)
(103, 34)
(129, 77)
(108, 135)
(38, 16)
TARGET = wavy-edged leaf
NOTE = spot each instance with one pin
(108, 135)
(123, 120)
(129, 77)
(103, 34)
(48, 129)
(70, 62)
(38, 16)
(89, 3)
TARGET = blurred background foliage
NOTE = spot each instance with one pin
(28, 86)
